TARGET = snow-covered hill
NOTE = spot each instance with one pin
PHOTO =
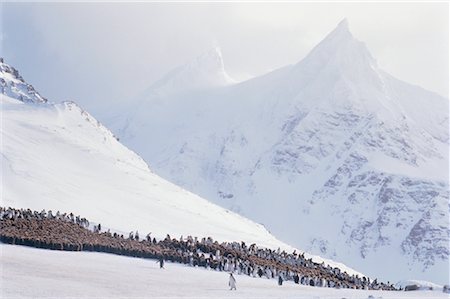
(331, 154)
(58, 157)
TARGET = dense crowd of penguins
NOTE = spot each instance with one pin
(59, 231)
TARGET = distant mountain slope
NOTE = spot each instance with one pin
(58, 157)
(331, 154)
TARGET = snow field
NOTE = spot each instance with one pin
(38, 273)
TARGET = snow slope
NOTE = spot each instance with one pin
(331, 154)
(58, 157)
(29, 272)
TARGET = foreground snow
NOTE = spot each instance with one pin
(29, 272)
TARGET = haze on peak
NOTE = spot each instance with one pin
(205, 71)
(79, 51)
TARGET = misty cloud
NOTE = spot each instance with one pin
(103, 52)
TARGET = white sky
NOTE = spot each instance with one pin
(103, 52)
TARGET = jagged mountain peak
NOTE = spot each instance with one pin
(205, 71)
(340, 49)
(13, 85)
(343, 26)
(341, 72)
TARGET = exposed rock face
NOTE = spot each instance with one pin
(13, 85)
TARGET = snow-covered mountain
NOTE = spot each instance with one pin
(332, 154)
(59, 157)
(206, 71)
